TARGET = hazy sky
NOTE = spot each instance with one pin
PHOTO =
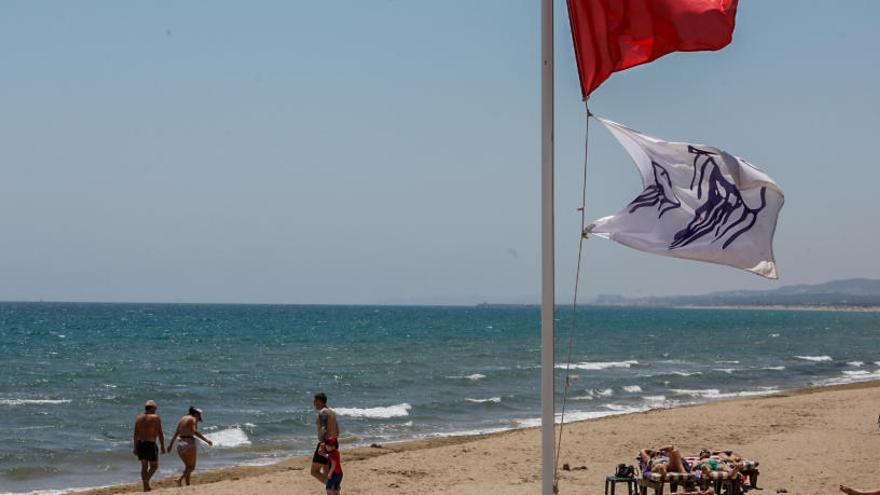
(388, 151)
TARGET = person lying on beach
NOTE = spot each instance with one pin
(148, 427)
(726, 455)
(709, 463)
(187, 448)
(662, 460)
(853, 491)
(334, 480)
(327, 427)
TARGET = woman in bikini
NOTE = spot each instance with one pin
(187, 448)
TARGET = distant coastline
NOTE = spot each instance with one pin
(788, 307)
(854, 295)
(763, 307)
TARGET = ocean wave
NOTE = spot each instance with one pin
(599, 365)
(707, 393)
(494, 400)
(815, 358)
(474, 377)
(685, 373)
(229, 438)
(729, 371)
(855, 364)
(850, 376)
(396, 411)
(774, 368)
(749, 393)
(654, 398)
(714, 393)
(622, 408)
(466, 433)
(774, 335)
(32, 402)
(727, 362)
(571, 417)
(632, 389)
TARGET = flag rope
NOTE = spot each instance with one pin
(582, 235)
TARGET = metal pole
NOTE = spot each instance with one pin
(548, 297)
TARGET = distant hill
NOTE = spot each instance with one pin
(849, 292)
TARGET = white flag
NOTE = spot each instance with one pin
(699, 202)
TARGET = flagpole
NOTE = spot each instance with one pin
(548, 297)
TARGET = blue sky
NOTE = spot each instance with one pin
(388, 151)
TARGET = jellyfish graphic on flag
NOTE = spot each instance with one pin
(699, 202)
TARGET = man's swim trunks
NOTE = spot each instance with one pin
(318, 457)
(147, 451)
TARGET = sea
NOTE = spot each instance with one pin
(73, 377)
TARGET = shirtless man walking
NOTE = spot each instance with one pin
(148, 427)
(327, 427)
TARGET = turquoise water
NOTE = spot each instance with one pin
(74, 376)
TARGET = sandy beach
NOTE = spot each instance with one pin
(807, 441)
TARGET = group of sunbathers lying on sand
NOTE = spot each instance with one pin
(668, 459)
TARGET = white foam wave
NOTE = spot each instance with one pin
(729, 371)
(714, 393)
(600, 365)
(32, 402)
(571, 417)
(229, 438)
(686, 373)
(463, 433)
(621, 408)
(749, 393)
(474, 377)
(708, 393)
(654, 398)
(395, 411)
(632, 389)
(608, 392)
(774, 335)
(774, 368)
(850, 376)
(814, 358)
(727, 362)
(856, 364)
(494, 400)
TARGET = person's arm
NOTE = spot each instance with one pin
(332, 425)
(322, 430)
(197, 434)
(161, 436)
(134, 439)
(645, 456)
(173, 438)
(332, 465)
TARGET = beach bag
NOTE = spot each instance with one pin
(624, 471)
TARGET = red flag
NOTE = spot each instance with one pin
(613, 35)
